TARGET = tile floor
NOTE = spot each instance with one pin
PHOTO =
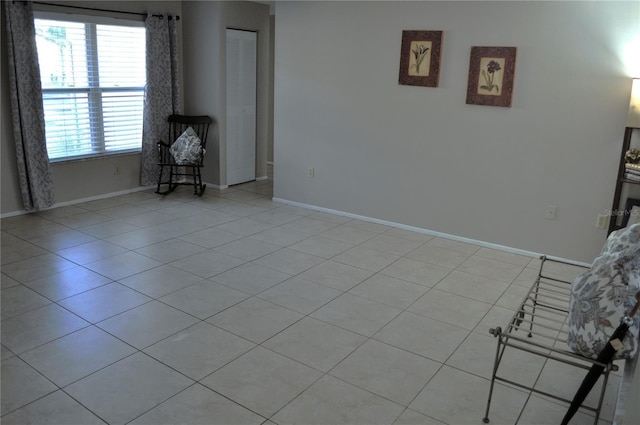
(233, 309)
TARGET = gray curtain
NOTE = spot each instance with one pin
(162, 95)
(34, 170)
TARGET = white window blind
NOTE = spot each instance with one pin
(93, 77)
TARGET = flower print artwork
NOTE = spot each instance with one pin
(420, 58)
(491, 76)
(490, 81)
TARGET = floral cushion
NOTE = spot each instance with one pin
(187, 149)
(601, 296)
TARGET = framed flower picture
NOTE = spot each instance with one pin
(420, 58)
(491, 73)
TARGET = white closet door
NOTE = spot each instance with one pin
(241, 106)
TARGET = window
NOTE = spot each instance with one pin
(93, 77)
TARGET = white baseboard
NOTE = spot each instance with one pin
(429, 232)
(217, 186)
(261, 178)
(80, 201)
(97, 197)
(211, 185)
(14, 213)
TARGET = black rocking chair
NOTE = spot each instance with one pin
(183, 166)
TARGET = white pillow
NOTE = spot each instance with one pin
(187, 149)
(601, 296)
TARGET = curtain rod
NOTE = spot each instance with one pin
(100, 10)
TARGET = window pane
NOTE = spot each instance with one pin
(67, 125)
(62, 53)
(122, 113)
(121, 56)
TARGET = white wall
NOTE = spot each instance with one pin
(203, 82)
(74, 179)
(272, 34)
(421, 156)
(205, 74)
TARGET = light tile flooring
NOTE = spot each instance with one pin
(233, 309)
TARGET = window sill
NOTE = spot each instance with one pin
(94, 157)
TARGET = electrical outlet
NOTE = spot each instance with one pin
(601, 222)
(550, 212)
(310, 172)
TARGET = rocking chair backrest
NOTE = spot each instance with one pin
(179, 123)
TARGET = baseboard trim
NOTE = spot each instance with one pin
(15, 213)
(97, 197)
(80, 201)
(429, 232)
(216, 186)
(261, 178)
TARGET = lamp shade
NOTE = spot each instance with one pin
(633, 119)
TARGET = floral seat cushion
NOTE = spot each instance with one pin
(601, 296)
(187, 149)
